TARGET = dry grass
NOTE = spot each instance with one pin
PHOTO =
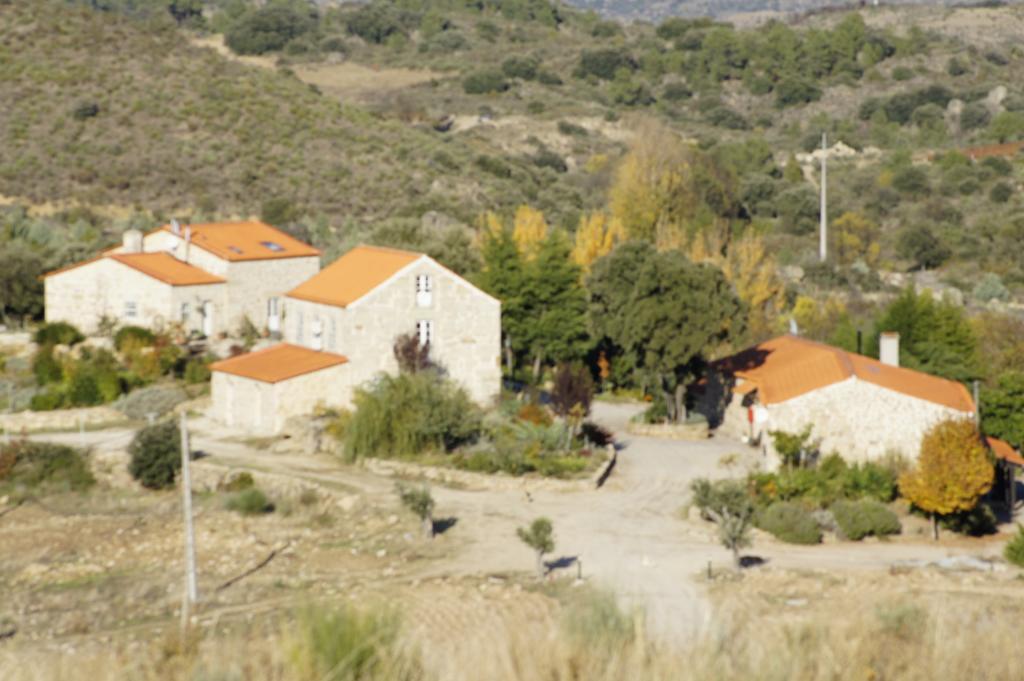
(887, 634)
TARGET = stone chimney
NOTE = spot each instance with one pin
(131, 241)
(889, 348)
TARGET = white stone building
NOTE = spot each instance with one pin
(361, 303)
(251, 263)
(259, 391)
(861, 408)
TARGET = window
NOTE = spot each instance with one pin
(424, 290)
(184, 312)
(130, 309)
(270, 245)
(425, 331)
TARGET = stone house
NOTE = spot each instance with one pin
(140, 289)
(259, 391)
(361, 303)
(860, 407)
(252, 264)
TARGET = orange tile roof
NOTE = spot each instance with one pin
(353, 275)
(1005, 451)
(166, 268)
(248, 240)
(789, 366)
(278, 363)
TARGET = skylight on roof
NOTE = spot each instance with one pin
(275, 247)
(235, 249)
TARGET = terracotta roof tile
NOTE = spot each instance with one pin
(353, 275)
(1005, 451)
(790, 366)
(247, 240)
(166, 268)
(278, 363)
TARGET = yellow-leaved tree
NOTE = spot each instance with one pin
(529, 229)
(597, 236)
(753, 272)
(856, 238)
(819, 320)
(953, 471)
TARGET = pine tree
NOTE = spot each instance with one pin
(503, 276)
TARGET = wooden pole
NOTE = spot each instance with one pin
(191, 590)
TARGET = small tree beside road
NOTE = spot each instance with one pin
(540, 537)
(421, 503)
(952, 473)
(156, 455)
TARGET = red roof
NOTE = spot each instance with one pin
(244, 240)
(353, 275)
(789, 366)
(278, 363)
(1005, 451)
(160, 266)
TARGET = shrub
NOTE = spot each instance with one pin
(267, 29)
(573, 388)
(902, 73)
(540, 537)
(724, 117)
(133, 337)
(36, 464)
(344, 644)
(83, 389)
(494, 166)
(46, 367)
(524, 68)
(716, 496)
(977, 522)
(484, 82)
(792, 91)
(676, 92)
(955, 67)
(196, 371)
(409, 414)
(1014, 550)
(545, 158)
(420, 502)
(534, 413)
(58, 333)
(571, 129)
(374, 23)
(1000, 192)
(251, 501)
(866, 518)
(155, 400)
(156, 455)
(238, 483)
(990, 287)
(603, 63)
(789, 522)
(47, 401)
(974, 115)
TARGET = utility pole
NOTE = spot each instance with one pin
(191, 595)
(823, 245)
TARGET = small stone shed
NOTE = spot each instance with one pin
(259, 391)
(860, 407)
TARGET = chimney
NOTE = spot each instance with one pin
(131, 241)
(889, 348)
(175, 227)
(188, 240)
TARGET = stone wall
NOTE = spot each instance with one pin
(83, 295)
(861, 421)
(467, 328)
(61, 419)
(691, 432)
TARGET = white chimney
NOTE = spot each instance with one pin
(131, 241)
(175, 227)
(188, 240)
(889, 348)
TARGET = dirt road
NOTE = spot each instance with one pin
(628, 536)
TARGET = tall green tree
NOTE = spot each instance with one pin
(1002, 409)
(935, 335)
(670, 314)
(21, 291)
(503, 276)
(555, 305)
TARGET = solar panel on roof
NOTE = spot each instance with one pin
(276, 248)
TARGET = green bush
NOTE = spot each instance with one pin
(47, 401)
(865, 518)
(374, 23)
(46, 367)
(142, 337)
(978, 522)
(58, 333)
(409, 414)
(156, 455)
(267, 29)
(524, 68)
(155, 400)
(238, 482)
(346, 644)
(251, 501)
(484, 82)
(1014, 551)
(789, 522)
(831, 480)
(730, 495)
(37, 464)
(83, 390)
(603, 63)
(196, 371)
(1000, 192)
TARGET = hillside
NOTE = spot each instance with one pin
(102, 110)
